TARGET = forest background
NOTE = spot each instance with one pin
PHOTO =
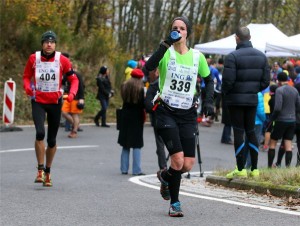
(110, 32)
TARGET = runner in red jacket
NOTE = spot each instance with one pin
(42, 81)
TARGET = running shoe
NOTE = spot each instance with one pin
(47, 181)
(254, 173)
(237, 174)
(276, 165)
(40, 176)
(175, 210)
(264, 148)
(164, 186)
(73, 134)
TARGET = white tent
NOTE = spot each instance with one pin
(291, 45)
(260, 35)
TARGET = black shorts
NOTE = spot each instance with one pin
(177, 129)
(283, 130)
(269, 128)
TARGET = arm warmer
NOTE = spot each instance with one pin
(153, 61)
(209, 87)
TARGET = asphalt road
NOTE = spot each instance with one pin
(88, 188)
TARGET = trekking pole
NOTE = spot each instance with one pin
(198, 151)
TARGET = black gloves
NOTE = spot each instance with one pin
(208, 109)
(173, 37)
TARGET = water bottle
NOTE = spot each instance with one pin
(175, 35)
(33, 90)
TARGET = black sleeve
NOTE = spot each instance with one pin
(209, 88)
(153, 61)
(274, 115)
(80, 92)
(151, 92)
(229, 73)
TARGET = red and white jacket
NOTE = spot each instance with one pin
(46, 74)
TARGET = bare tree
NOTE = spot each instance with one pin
(80, 17)
(206, 32)
(254, 11)
(139, 25)
(227, 11)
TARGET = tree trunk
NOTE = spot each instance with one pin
(203, 19)
(206, 34)
(80, 17)
(90, 15)
(225, 18)
(254, 11)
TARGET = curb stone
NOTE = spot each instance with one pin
(262, 188)
(10, 128)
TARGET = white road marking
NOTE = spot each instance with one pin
(136, 180)
(61, 147)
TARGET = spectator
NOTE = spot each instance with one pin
(275, 70)
(287, 101)
(246, 72)
(71, 111)
(132, 122)
(151, 92)
(103, 95)
(297, 78)
(269, 125)
(217, 88)
(226, 134)
(131, 64)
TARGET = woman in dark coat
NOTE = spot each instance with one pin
(132, 122)
(104, 92)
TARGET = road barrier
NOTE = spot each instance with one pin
(9, 102)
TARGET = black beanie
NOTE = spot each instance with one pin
(187, 23)
(103, 70)
(282, 77)
(48, 35)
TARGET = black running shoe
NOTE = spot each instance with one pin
(164, 186)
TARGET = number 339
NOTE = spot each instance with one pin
(181, 85)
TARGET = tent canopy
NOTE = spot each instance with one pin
(290, 45)
(260, 35)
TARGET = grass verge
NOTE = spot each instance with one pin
(273, 177)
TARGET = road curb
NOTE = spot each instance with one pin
(10, 128)
(282, 191)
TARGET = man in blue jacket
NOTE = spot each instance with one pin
(246, 72)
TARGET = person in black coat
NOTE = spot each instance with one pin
(104, 92)
(132, 122)
(226, 134)
(151, 92)
(246, 72)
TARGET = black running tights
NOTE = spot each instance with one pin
(243, 122)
